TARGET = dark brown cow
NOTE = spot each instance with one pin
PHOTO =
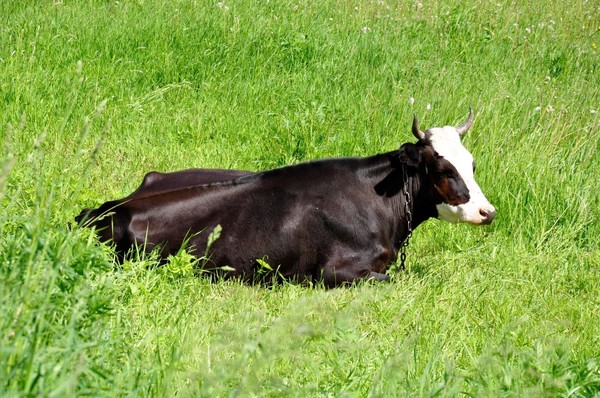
(335, 220)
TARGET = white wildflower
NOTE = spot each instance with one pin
(550, 108)
(548, 78)
(428, 107)
(538, 108)
(593, 111)
(527, 30)
(223, 6)
(365, 29)
(411, 100)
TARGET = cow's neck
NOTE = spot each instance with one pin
(394, 182)
(421, 204)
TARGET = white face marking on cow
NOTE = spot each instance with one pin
(446, 142)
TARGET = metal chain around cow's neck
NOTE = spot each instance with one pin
(408, 215)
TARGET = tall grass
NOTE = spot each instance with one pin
(95, 94)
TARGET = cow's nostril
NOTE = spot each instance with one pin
(487, 216)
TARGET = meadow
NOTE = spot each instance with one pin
(94, 94)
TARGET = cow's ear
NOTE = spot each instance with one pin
(410, 155)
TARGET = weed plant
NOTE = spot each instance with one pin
(94, 94)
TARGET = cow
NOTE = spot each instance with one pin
(334, 221)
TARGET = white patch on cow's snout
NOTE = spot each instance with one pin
(446, 142)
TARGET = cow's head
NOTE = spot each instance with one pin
(449, 168)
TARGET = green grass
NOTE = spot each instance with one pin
(95, 94)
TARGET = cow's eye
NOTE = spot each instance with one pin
(450, 174)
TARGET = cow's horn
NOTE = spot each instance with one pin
(465, 126)
(416, 131)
